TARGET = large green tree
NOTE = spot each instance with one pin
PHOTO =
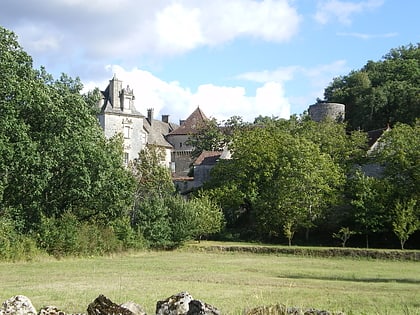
(278, 180)
(382, 92)
(54, 158)
(399, 153)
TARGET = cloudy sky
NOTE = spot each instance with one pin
(230, 57)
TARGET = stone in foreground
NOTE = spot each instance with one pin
(184, 304)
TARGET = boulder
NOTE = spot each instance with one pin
(104, 306)
(280, 309)
(135, 308)
(184, 304)
(18, 305)
(50, 310)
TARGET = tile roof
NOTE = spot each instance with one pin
(208, 158)
(190, 125)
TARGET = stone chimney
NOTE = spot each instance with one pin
(165, 118)
(150, 115)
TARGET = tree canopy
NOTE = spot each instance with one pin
(54, 158)
(382, 92)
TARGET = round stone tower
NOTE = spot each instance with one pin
(322, 110)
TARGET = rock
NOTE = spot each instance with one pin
(196, 307)
(184, 304)
(18, 305)
(135, 308)
(104, 306)
(50, 310)
(268, 310)
(282, 310)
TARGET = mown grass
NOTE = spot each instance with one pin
(231, 281)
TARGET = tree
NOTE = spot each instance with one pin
(344, 235)
(399, 153)
(280, 179)
(405, 221)
(54, 157)
(214, 136)
(209, 137)
(369, 198)
(150, 213)
(382, 92)
(208, 216)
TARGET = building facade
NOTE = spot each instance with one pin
(119, 115)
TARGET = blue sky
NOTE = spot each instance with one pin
(230, 57)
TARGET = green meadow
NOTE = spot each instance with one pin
(231, 281)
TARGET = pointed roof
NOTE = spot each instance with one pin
(191, 124)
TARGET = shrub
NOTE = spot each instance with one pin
(13, 245)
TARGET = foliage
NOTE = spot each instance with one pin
(399, 153)
(150, 214)
(214, 136)
(406, 220)
(54, 158)
(279, 179)
(164, 218)
(208, 137)
(13, 245)
(208, 216)
(370, 200)
(344, 235)
(382, 92)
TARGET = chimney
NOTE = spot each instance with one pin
(181, 122)
(165, 118)
(150, 115)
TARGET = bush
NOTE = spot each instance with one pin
(13, 245)
(68, 236)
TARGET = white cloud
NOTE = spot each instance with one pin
(328, 10)
(279, 75)
(220, 102)
(368, 36)
(134, 28)
(178, 28)
(312, 80)
(271, 101)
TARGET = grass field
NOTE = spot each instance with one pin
(231, 281)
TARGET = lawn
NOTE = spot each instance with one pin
(231, 281)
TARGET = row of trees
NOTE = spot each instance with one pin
(296, 175)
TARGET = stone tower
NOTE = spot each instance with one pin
(119, 115)
(323, 110)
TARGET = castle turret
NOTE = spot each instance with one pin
(323, 110)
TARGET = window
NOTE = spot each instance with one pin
(126, 158)
(127, 132)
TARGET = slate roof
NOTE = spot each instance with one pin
(208, 158)
(374, 135)
(157, 131)
(189, 126)
(108, 107)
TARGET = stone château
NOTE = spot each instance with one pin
(118, 115)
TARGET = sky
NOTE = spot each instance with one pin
(229, 57)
